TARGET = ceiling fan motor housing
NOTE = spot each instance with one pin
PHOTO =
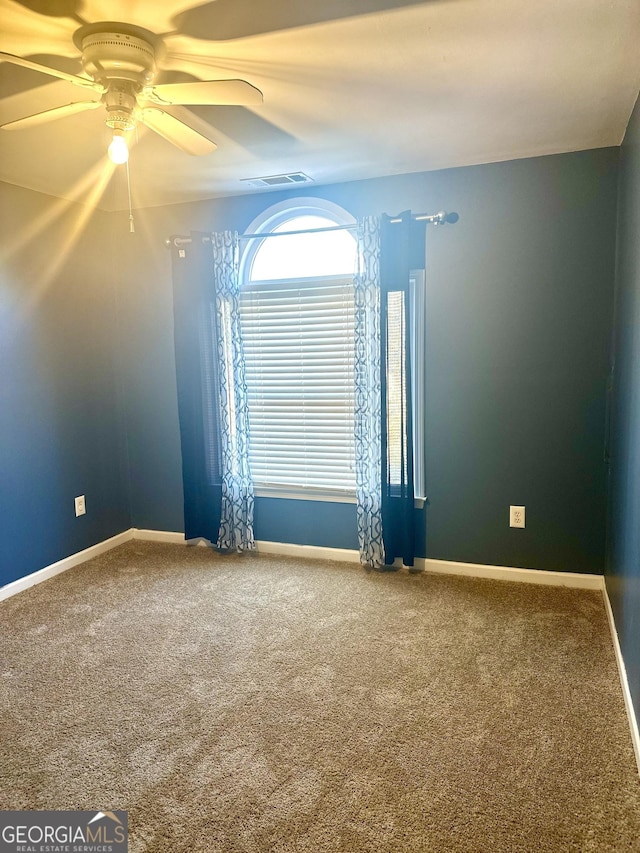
(124, 64)
(108, 56)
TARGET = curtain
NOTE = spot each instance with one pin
(218, 493)
(368, 394)
(236, 515)
(196, 379)
(402, 249)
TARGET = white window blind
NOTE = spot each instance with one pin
(396, 387)
(298, 342)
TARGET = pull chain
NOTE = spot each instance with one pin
(132, 228)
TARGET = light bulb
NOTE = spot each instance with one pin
(118, 151)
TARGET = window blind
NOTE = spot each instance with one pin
(396, 387)
(298, 342)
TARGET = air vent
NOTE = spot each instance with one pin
(278, 180)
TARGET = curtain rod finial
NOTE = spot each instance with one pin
(442, 218)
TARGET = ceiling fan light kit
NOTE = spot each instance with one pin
(118, 150)
(121, 64)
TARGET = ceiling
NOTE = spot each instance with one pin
(352, 89)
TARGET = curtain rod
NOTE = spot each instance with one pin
(440, 218)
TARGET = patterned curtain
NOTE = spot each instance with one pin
(368, 395)
(236, 520)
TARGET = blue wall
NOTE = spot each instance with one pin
(520, 301)
(623, 564)
(61, 433)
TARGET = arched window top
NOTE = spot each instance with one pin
(296, 256)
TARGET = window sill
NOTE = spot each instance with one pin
(341, 497)
(301, 494)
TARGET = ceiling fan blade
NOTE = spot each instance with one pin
(26, 31)
(221, 20)
(50, 115)
(206, 92)
(54, 8)
(52, 72)
(176, 132)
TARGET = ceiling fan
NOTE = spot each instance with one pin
(120, 62)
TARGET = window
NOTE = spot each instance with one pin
(297, 317)
(418, 297)
(396, 379)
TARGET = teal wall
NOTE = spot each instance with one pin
(520, 301)
(61, 430)
(623, 558)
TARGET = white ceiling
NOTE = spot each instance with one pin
(413, 86)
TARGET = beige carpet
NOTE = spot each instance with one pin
(251, 703)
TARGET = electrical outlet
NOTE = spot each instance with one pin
(80, 506)
(516, 516)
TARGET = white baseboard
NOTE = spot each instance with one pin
(507, 573)
(158, 536)
(313, 552)
(628, 701)
(34, 578)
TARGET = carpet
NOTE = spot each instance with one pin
(261, 703)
